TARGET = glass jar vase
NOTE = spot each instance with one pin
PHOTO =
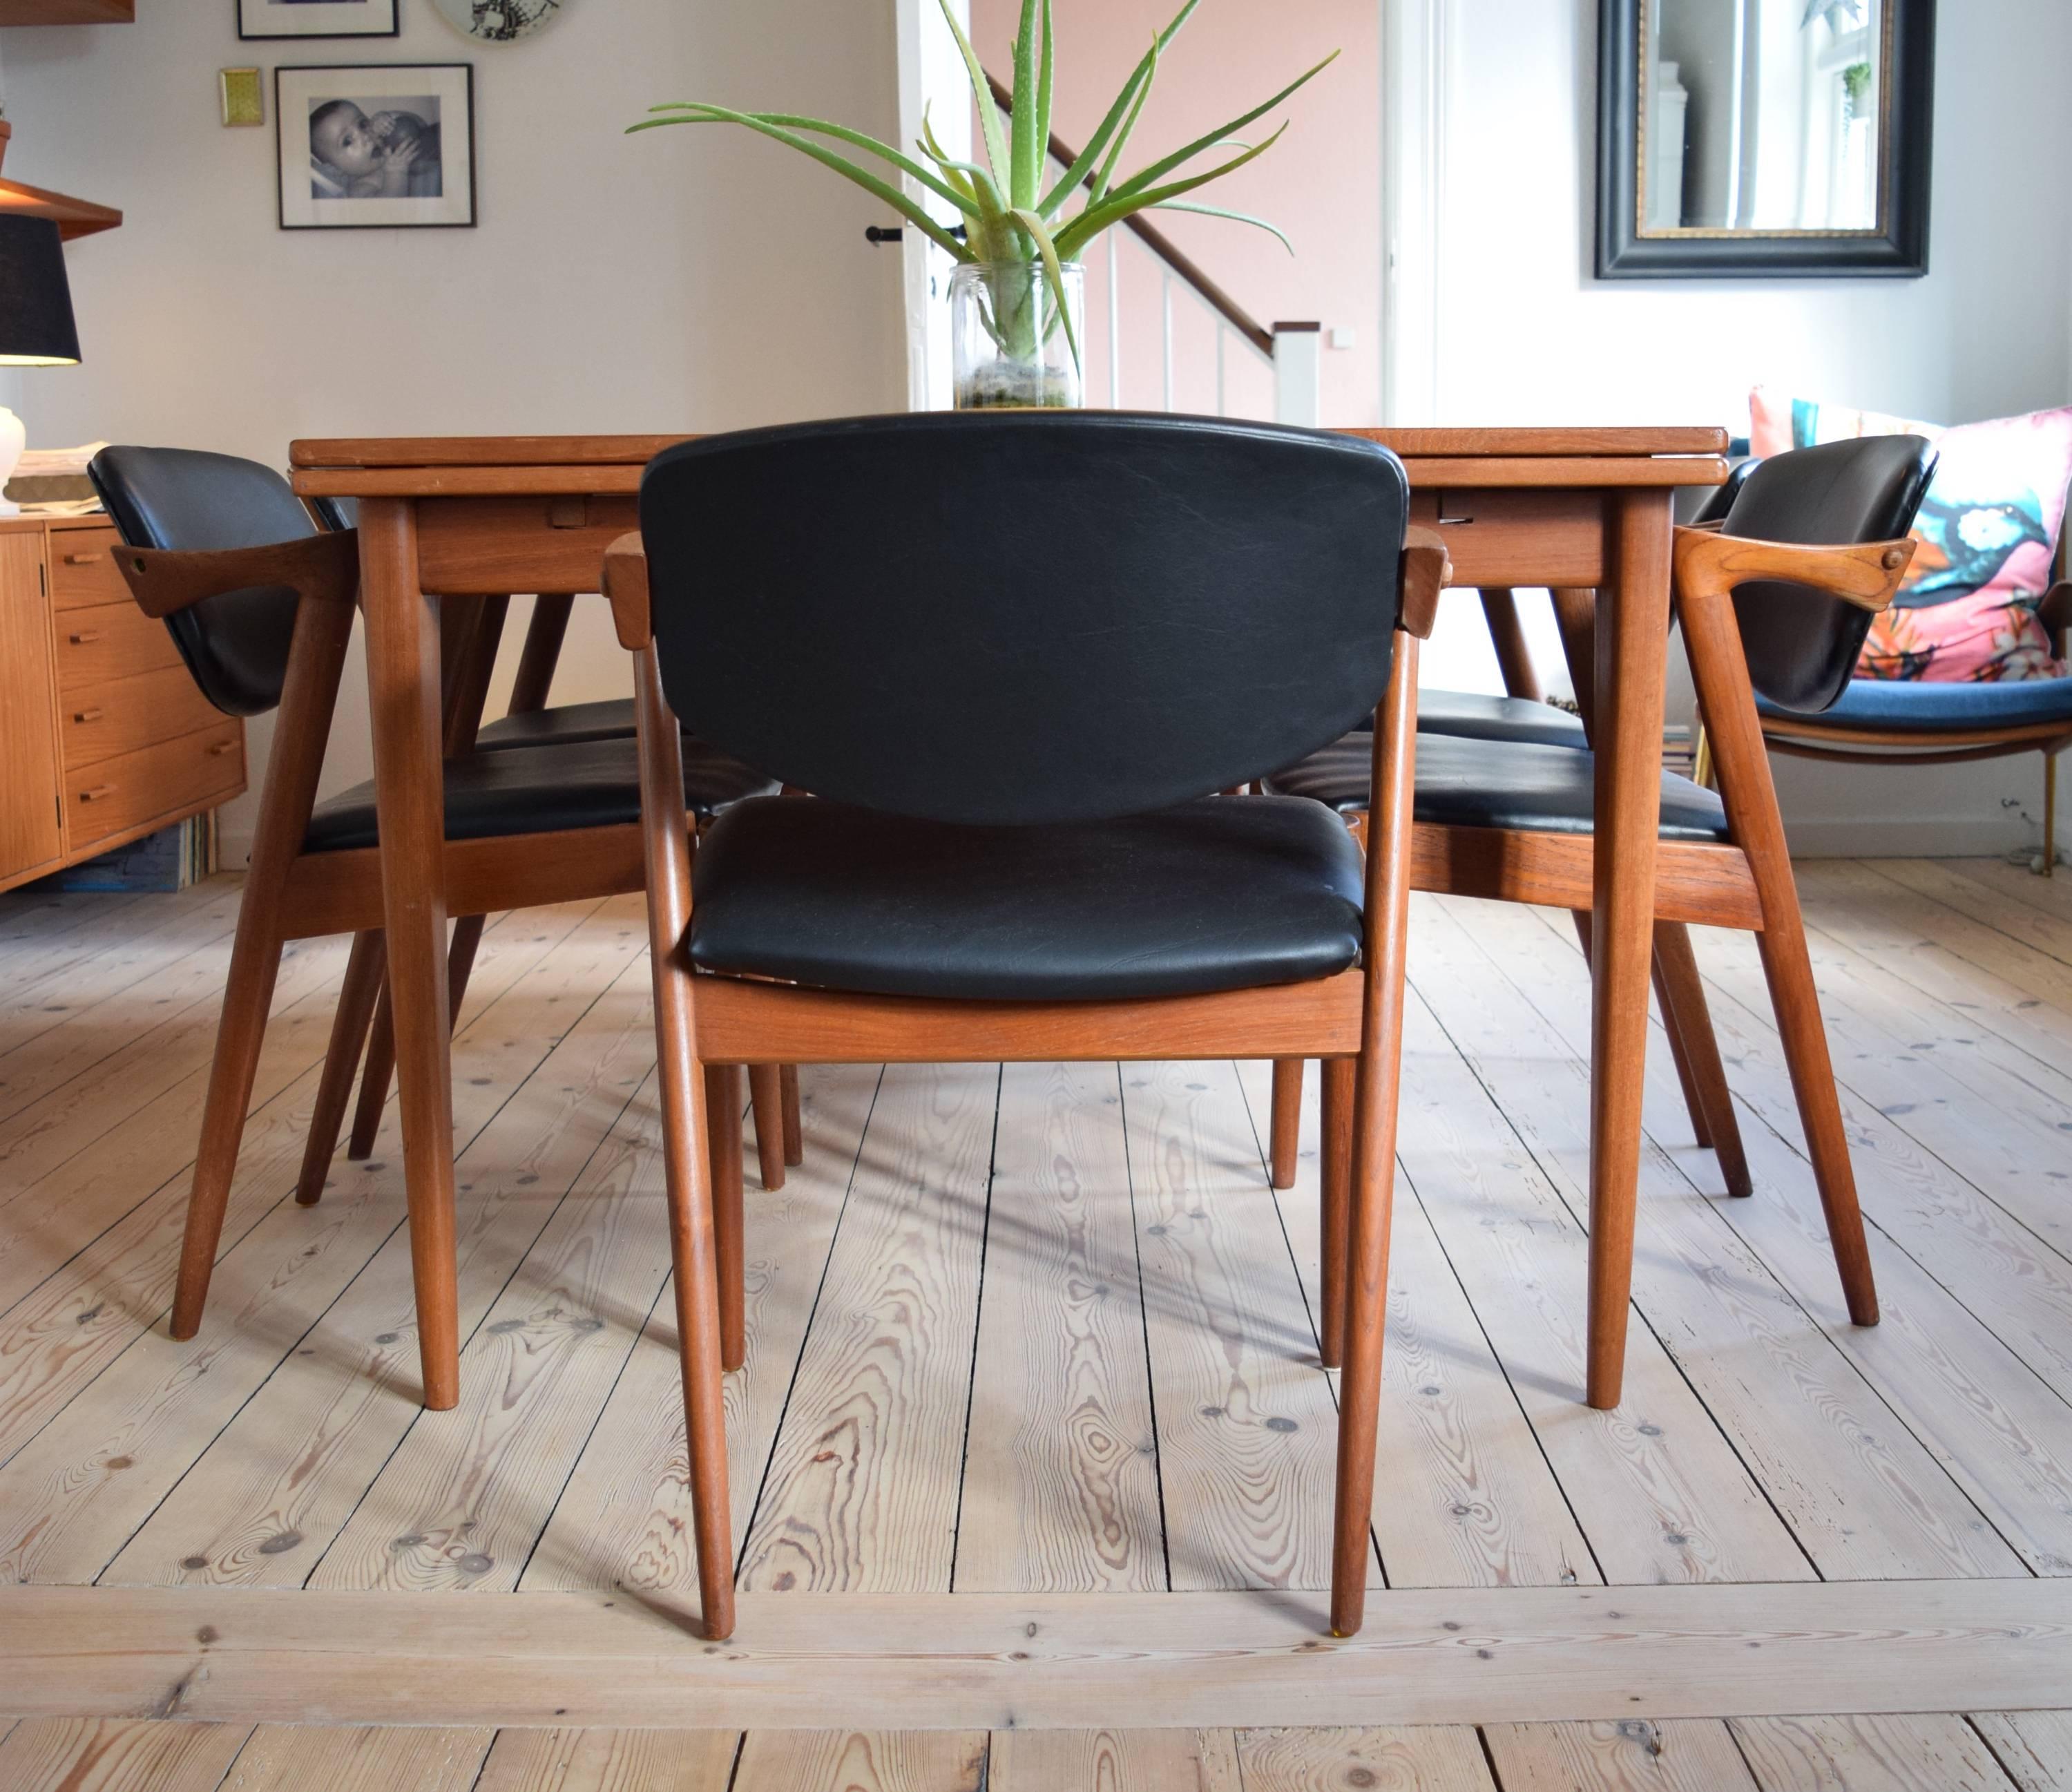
(1009, 344)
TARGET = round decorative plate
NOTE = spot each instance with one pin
(499, 21)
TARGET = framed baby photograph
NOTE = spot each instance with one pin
(274, 18)
(379, 147)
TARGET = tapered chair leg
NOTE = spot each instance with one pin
(1286, 1125)
(1789, 970)
(316, 657)
(1688, 1078)
(686, 1115)
(1335, 1205)
(363, 972)
(1377, 1072)
(1681, 990)
(380, 1071)
(2049, 814)
(765, 1096)
(255, 961)
(1756, 826)
(795, 1134)
(1693, 1048)
(723, 1132)
(376, 1074)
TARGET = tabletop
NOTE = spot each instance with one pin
(492, 466)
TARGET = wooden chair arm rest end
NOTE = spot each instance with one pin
(1866, 574)
(626, 589)
(164, 581)
(1426, 571)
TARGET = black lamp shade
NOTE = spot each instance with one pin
(36, 326)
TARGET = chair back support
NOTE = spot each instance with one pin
(1721, 499)
(1023, 617)
(336, 514)
(236, 644)
(1801, 645)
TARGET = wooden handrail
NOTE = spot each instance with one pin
(1163, 246)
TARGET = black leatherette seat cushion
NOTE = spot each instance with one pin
(540, 790)
(1475, 715)
(1506, 784)
(561, 724)
(1223, 893)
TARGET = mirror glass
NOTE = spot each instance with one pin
(1762, 116)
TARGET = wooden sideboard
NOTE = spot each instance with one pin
(103, 736)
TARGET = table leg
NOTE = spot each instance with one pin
(1632, 648)
(403, 697)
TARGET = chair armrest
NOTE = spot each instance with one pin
(626, 589)
(1867, 574)
(1426, 569)
(2055, 613)
(164, 581)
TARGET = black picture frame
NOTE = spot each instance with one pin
(1897, 249)
(320, 11)
(356, 80)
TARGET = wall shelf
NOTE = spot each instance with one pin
(76, 217)
(68, 12)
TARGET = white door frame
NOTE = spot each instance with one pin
(1415, 75)
(930, 70)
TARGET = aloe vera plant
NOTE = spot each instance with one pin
(1012, 220)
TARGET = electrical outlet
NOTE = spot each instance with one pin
(244, 101)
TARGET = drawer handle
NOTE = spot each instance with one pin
(84, 559)
(86, 637)
(89, 715)
(96, 793)
(217, 749)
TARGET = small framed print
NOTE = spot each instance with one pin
(276, 18)
(376, 147)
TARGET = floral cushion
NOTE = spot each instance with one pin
(1988, 530)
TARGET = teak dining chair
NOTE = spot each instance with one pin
(1013, 854)
(262, 606)
(363, 1025)
(1764, 608)
(1522, 714)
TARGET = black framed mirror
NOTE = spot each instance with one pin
(1763, 137)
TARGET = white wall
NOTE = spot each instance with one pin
(1527, 336)
(683, 279)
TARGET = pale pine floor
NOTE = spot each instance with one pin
(1039, 1340)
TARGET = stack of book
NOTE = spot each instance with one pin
(52, 482)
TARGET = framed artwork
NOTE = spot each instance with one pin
(499, 21)
(275, 19)
(376, 147)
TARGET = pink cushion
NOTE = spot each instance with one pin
(1988, 530)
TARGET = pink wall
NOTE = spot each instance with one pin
(1321, 184)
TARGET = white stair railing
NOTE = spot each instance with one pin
(1288, 353)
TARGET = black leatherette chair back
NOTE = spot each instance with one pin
(1802, 645)
(1025, 617)
(235, 643)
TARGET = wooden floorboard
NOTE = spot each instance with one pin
(1032, 1459)
(1929, 1753)
(1689, 1754)
(995, 1661)
(2033, 1748)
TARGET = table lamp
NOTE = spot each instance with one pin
(36, 326)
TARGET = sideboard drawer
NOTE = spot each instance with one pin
(107, 642)
(96, 722)
(115, 795)
(83, 568)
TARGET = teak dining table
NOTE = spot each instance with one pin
(1586, 509)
